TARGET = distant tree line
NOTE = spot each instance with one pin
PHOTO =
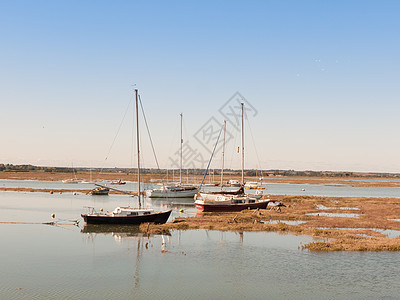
(29, 168)
(216, 172)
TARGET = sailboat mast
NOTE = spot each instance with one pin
(223, 156)
(242, 104)
(180, 167)
(138, 148)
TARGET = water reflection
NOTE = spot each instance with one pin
(121, 231)
(124, 233)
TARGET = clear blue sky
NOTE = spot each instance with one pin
(322, 75)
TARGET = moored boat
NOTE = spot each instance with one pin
(252, 185)
(234, 182)
(215, 195)
(177, 190)
(173, 191)
(99, 191)
(118, 182)
(231, 203)
(129, 215)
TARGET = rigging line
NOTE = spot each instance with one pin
(252, 138)
(148, 132)
(119, 128)
(212, 154)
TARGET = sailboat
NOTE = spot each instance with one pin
(129, 215)
(72, 180)
(90, 178)
(218, 194)
(230, 201)
(174, 190)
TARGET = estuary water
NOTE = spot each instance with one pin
(96, 262)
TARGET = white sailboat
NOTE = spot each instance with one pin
(231, 201)
(174, 190)
(74, 179)
(217, 194)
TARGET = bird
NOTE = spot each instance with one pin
(276, 204)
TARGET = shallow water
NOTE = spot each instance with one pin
(270, 188)
(71, 262)
(388, 232)
(333, 191)
(287, 222)
(323, 207)
(334, 215)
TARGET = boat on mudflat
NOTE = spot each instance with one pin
(231, 203)
(215, 195)
(230, 200)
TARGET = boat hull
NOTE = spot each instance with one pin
(99, 193)
(171, 194)
(158, 218)
(200, 205)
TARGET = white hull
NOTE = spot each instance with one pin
(207, 196)
(167, 192)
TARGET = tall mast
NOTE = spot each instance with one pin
(180, 167)
(223, 156)
(242, 104)
(137, 143)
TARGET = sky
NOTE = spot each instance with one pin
(318, 79)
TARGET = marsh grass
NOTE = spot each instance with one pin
(332, 233)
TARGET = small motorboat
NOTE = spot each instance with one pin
(118, 182)
(234, 182)
(99, 191)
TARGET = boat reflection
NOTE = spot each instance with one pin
(119, 232)
(129, 235)
(171, 202)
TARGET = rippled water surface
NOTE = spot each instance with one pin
(77, 262)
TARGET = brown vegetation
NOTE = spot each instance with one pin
(332, 233)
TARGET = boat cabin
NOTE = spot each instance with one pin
(129, 211)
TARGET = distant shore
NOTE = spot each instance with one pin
(196, 179)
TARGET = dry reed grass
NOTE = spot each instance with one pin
(333, 233)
